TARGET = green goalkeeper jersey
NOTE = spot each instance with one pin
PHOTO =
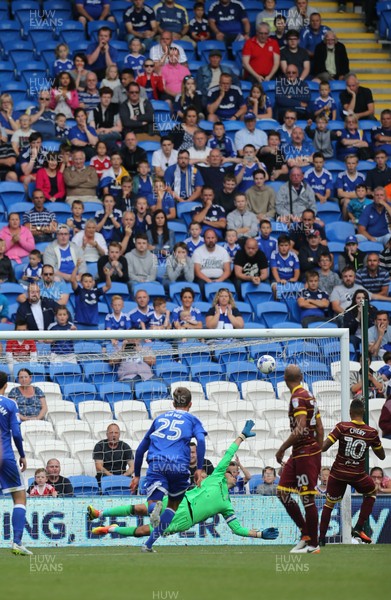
(213, 498)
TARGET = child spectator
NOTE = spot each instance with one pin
(231, 243)
(258, 103)
(62, 350)
(312, 302)
(110, 182)
(322, 137)
(87, 297)
(135, 59)
(199, 29)
(143, 218)
(32, 273)
(266, 243)
(41, 487)
(62, 62)
(221, 141)
(244, 171)
(112, 79)
(319, 178)
(163, 199)
(195, 240)
(324, 105)
(20, 137)
(126, 198)
(61, 128)
(347, 181)
(159, 317)
(77, 222)
(189, 96)
(328, 278)
(108, 218)
(357, 204)
(279, 30)
(101, 161)
(150, 81)
(273, 157)
(20, 350)
(142, 182)
(284, 264)
(117, 319)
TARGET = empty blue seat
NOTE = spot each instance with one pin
(241, 371)
(84, 485)
(339, 231)
(99, 372)
(11, 290)
(88, 348)
(115, 485)
(328, 212)
(256, 294)
(115, 392)
(171, 371)
(146, 391)
(193, 351)
(66, 373)
(80, 392)
(271, 312)
(9, 32)
(205, 372)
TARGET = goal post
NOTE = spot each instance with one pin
(84, 394)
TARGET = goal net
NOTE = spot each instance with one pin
(92, 379)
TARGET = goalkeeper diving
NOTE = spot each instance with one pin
(198, 504)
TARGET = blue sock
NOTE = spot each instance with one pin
(151, 507)
(18, 522)
(165, 520)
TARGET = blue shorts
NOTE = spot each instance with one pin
(10, 480)
(166, 479)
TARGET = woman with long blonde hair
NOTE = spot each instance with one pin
(224, 314)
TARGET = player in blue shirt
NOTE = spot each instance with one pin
(168, 445)
(10, 480)
(320, 180)
(87, 297)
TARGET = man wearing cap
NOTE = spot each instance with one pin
(225, 101)
(228, 19)
(300, 231)
(310, 253)
(261, 55)
(208, 76)
(351, 256)
(374, 278)
(249, 134)
(63, 255)
(293, 54)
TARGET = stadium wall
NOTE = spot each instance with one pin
(63, 522)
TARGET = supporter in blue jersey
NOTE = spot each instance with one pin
(284, 264)
(10, 480)
(228, 19)
(101, 54)
(159, 317)
(313, 34)
(186, 316)
(140, 22)
(93, 10)
(117, 320)
(172, 17)
(347, 182)
(231, 243)
(62, 349)
(225, 101)
(195, 240)
(221, 141)
(266, 243)
(244, 173)
(319, 178)
(87, 297)
(168, 445)
(140, 313)
(324, 105)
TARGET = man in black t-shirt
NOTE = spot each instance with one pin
(250, 264)
(61, 484)
(357, 99)
(112, 456)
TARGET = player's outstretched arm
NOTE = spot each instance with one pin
(230, 453)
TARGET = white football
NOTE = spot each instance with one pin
(266, 364)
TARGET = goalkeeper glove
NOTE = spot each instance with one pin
(247, 429)
(268, 534)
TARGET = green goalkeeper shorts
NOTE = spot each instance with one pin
(182, 520)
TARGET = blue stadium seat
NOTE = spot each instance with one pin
(203, 49)
(115, 392)
(194, 66)
(254, 482)
(7, 70)
(11, 290)
(10, 193)
(226, 355)
(203, 307)
(149, 148)
(297, 347)
(212, 288)
(17, 89)
(84, 485)
(72, 32)
(176, 287)
(205, 372)
(275, 349)
(371, 247)
(79, 392)
(153, 289)
(88, 348)
(9, 32)
(179, 229)
(241, 371)
(245, 310)
(51, 146)
(188, 48)
(7, 327)
(267, 124)
(193, 352)
(271, 312)
(336, 248)
(65, 373)
(293, 308)
(37, 35)
(286, 325)
(184, 210)
(315, 371)
(256, 294)
(115, 485)
(171, 371)
(328, 212)
(20, 51)
(117, 287)
(99, 373)
(146, 391)
(339, 231)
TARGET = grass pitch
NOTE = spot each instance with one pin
(196, 573)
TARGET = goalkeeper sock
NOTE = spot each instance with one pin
(293, 510)
(311, 517)
(165, 520)
(325, 520)
(151, 507)
(366, 510)
(18, 522)
(118, 511)
(125, 531)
